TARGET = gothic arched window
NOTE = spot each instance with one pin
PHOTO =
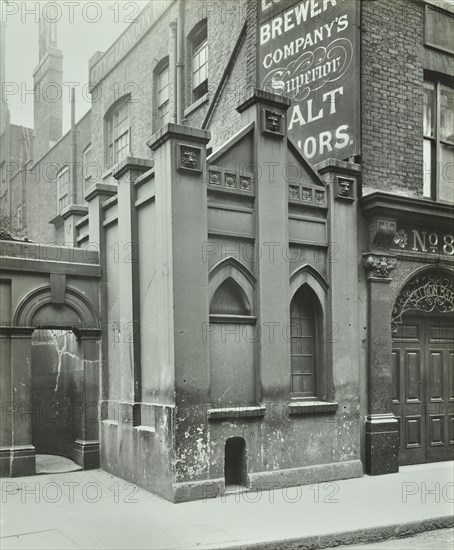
(304, 326)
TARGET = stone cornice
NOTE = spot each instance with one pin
(178, 131)
(379, 204)
(267, 98)
(132, 164)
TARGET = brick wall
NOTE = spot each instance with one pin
(41, 184)
(393, 60)
(225, 20)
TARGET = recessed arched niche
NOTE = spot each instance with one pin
(232, 337)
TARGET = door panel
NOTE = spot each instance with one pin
(439, 407)
(423, 389)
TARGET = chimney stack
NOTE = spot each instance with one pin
(48, 80)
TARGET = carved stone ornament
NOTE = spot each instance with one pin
(320, 197)
(401, 239)
(381, 234)
(380, 266)
(293, 192)
(215, 178)
(272, 122)
(189, 158)
(430, 291)
(245, 183)
(345, 187)
(230, 181)
(306, 194)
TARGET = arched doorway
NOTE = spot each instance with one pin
(59, 371)
(56, 391)
(423, 363)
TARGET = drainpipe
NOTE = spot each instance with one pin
(180, 63)
(73, 151)
(173, 28)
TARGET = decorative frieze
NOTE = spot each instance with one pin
(315, 196)
(426, 241)
(430, 291)
(379, 266)
(230, 180)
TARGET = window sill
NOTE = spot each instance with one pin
(147, 429)
(223, 413)
(233, 319)
(312, 407)
(195, 105)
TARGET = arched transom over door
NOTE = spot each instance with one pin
(423, 367)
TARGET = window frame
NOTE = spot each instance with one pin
(116, 130)
(86, 177)
(199, 43)
(66, 195)
(162, 108)
(432, 189)
(316, 348)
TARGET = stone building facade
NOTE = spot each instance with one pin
(239, 316)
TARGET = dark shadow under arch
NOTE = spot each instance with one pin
(229, 299)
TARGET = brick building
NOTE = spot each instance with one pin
(260, 286)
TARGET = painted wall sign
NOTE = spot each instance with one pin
(138, 28)
(417, 240)
(309, 51)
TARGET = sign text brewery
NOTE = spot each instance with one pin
(308, 51)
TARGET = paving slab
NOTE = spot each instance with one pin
(94, 509)
(53, 464)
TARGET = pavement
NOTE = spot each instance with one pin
(441, 539)
(93, 509)
(52, 464)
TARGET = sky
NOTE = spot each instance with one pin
(83, 28)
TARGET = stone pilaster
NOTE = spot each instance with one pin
(19, 452)
(343, 348)
(126, 174)
(86, 445)
(96, 195)
(182, 274)
(269, 113)
(71, 215)
(382, 428)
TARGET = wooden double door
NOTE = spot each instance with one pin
(423, 388)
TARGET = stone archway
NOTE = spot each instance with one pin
(66, 309)
(423, 347)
